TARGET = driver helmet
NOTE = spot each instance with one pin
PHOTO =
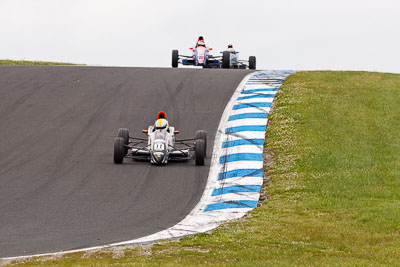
(201, 38)
(161, 124)
(201, 43)
(230, 46)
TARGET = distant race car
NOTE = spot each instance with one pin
(160, 146)
(230, 59)
(200, 56)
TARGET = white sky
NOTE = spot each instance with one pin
(282, 34)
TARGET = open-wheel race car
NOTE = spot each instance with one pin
(200, 56)
(230, 60)
(160, 146)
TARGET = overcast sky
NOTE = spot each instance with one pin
(282, 34)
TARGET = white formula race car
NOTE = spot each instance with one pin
(200, 56)
(230, 60)
(160, 146)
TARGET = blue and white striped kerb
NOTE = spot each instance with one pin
(237, 168)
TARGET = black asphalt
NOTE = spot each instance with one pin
(59, 188)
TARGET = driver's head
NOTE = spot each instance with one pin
(201, 43)
(161, 124)
(230, 46)
(201, 38)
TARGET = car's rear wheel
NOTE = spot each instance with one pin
(201, 134)
(226, 59)
(252, 62)
(119, 150)
(199, 152)
(124, 133)
(175, 58)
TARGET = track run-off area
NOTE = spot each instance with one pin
(59, 188)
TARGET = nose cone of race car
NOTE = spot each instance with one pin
(201, 55)
(159, 157)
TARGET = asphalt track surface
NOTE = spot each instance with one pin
(59, 188)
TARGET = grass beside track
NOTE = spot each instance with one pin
(23, 62)
(333, 188)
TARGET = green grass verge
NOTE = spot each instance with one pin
(333, 189)
(23, 62)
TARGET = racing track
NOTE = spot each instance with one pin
(59, 188)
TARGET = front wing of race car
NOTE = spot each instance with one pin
(210, 62)
(147, 155)
(179, 152)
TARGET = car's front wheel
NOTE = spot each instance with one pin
(175, 58)
(252, 62)
(201, 134)
(119, 150)
(199, 152)
(226, 60)
(124, 133)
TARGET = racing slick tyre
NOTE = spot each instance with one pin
(201, 134)
(226, 59)
(119, 150)
(124, 133)
(199, 152)
(175, 58)
(252, 63)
